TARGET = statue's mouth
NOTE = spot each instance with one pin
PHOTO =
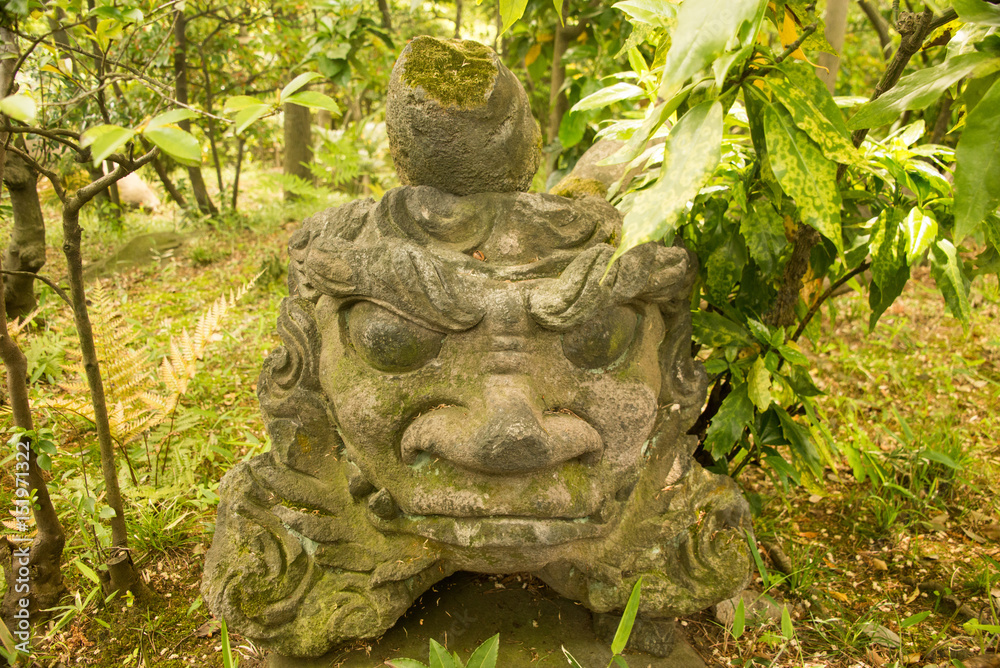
(498, 531)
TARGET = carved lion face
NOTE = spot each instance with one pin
(488, 388)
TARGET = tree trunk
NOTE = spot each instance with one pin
(558, 102)
(383, 7)
(458, 19)
(168, 185)
(26, 250)
(205, 204)
(298, 144)
(122, 573)
(836, 26)
(33, 573)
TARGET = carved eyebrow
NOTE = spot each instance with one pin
(650, 272)
(406, 278)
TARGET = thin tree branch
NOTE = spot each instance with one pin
(797, 44)
(49, 282)
(814, 309)
(881, 28)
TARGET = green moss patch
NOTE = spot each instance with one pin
(453, 72)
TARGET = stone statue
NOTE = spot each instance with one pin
(465, 385)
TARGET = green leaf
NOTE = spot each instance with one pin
(946, 268)
(569, 657)
(735, 414)
(248, 115)
(297, 83)
(44, 461)
(405, 663)
(692, 152)
(611, 94)
(107, 512)
(628, 619)
(758, 562)
(759, 385)
(787, 630)
(228, 660)
(171, 117)
(439, 656)
(804, 173)
(916, 91)
(105, 140)
(914, 619)
(739, 620)
(714, 330)
(921, 230)
(799, 440)
(806, 112)
(882, 295)
(510, 12)
(179, 145)
(977, 169)
(485, 655)
(978, 11)
(88, 572)
(725, 266)
(764, 232)
(572, 128)
(656, 13)
(19, 107)
(239, 103)
(313, 100)
(704, 29)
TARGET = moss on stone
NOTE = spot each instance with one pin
(454, 72)
(575, 187)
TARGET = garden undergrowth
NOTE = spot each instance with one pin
(908, 522)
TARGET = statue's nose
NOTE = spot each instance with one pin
(514, 436)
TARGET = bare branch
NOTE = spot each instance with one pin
(47, 281)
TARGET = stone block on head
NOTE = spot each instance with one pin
(459, 120)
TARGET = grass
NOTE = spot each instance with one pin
(914, 409)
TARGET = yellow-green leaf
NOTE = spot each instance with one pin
(978, 11)
(297, 83)
(759, 385)
(921, 230)
(611, 94)
(19, 107)
(704, 28)
(248, 115)
(692, 152)
(510, 12)
(916, 91)
(946, 268)
(104, 140)
(977, 169)
(179, 145)
(239, 103)
(313, 100)
(804, 173)
(171, 117)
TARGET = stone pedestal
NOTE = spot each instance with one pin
(466, 609)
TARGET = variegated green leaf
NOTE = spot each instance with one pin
(916, 91)
(735, 414)
(605, 96)
(977, 169)
(946, 268)
(704, 28)
(921, 230)
(759, 385)
(764, 231)
(807, 115)
(692, 152)
(804, 173)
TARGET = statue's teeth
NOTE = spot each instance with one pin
(383, 505)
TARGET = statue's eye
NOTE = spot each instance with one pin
(602, 339)
(388, 342)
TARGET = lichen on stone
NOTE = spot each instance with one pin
(454, 72)
(575, 187)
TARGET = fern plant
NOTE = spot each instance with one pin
(135, 401)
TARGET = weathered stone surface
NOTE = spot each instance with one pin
(465, 385)
(459, 120)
